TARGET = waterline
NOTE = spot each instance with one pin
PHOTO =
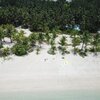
(62, 95)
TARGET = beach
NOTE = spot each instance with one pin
(46, 72)
(50, 77)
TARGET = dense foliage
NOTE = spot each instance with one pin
(47, 19)
(43, 15)
(14, 42)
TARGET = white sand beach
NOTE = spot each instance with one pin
(45, 72)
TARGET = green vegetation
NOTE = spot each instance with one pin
(1, 35)
(5, 52)
(47, 19)
(96, 44)
(37, 50)
(52, 49)
(9, 31)
(33, 39)
(76, 42)
(63, 46)
(82, 42)
(19, 49)
(44, 15)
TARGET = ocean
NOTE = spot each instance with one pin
(61, 95)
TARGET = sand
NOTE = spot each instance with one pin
(46, 72)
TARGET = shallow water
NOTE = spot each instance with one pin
(62, 95)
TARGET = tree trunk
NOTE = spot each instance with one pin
(82, 46)
(95, 50)
(85, 47)
(74, 50)
(11, 40)
(1, 42)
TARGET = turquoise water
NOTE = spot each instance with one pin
(62, 95)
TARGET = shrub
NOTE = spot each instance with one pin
(20, 38)
(5, 51)
(75, 42)
(82, 53)
(9, 31)
(1, 46)
(68, 31)
(47, 38)
(63, 50)
(52, 50)
(62, 41)
(30, 49)
(19, 49)
(98, 49)
(63, 46)
(73, 33)
(37, 50)
(33, 38)
(95, 50)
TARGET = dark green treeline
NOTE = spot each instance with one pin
(44, 15)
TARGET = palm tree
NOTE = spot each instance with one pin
(1, 35)
(85, 40)
(55, 32)
(47, 38)
(63, 41)
(40, 38)
(5, 52)
(37, 50)
(63, 45)
(33, 39)
(76, 41)
(74, 33)
(9, 31)
(18, 37)
(96, 43)
(52, 49)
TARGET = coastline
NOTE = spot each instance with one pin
(34, 73)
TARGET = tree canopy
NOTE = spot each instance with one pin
(40, 15)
